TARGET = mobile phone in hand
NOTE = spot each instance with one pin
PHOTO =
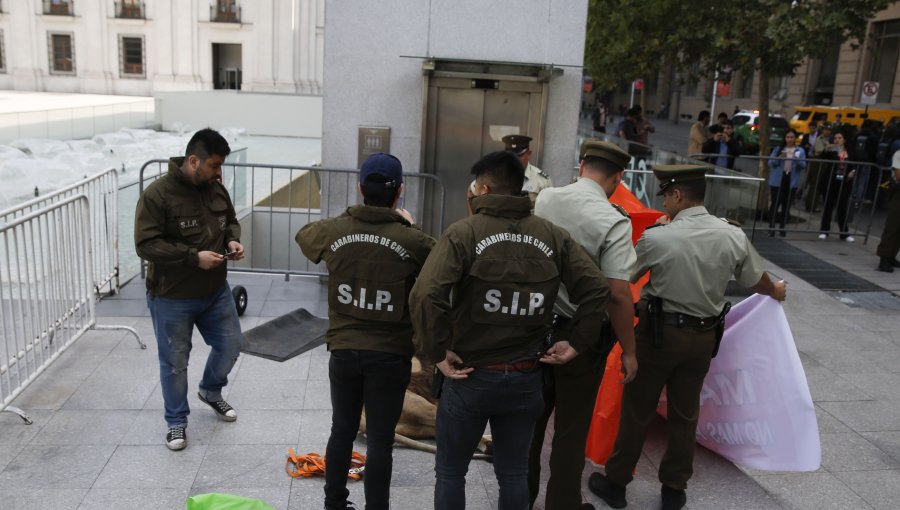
(230, 254)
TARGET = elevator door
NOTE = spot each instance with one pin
(465, 123)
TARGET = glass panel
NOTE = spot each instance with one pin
(62, 52)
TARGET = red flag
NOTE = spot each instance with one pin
(605, 425)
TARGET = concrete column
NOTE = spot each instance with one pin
(91, 43)
(27, 62)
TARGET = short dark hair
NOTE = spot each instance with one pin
(503, 171)
(379, 191)
(704, 114)
(604, 166)
(727, 122)
(694, 191)
(722, 114)
(207, 142)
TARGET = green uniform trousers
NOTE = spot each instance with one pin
(890, 237)
(680, 363)
(571, 391)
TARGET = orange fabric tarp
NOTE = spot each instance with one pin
(605, 424)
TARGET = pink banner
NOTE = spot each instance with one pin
(755, 407)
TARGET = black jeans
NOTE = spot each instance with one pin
(377, 380)
(511, 402)
(781, 197)
(837, 195)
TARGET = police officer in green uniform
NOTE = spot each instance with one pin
(570, 390)
(536, 179)
(373, 254)
(691, 256)
(503, 267)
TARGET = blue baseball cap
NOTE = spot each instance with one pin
(385, 165)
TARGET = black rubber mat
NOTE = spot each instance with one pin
(817, 272)
(287, 336)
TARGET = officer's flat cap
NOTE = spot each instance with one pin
(605, 150)
(517, 144)
(673, 174)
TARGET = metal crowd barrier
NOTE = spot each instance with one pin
(821, 193)
(46, 291)
(101, 191)
(274, 201)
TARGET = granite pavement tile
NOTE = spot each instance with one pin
(149, 428)
(828, 424)
(73, 427)
(811, 491)
(260, 427)
(76, 467)
(881, 489)
(245, 466)
(14, 431)
(866, 416)
(52, 392)
(318, 394)
(888, 442)
(118, 383)
(151, 467)
(852, 452)
(276, 394)
(878, 386)
(134, 499)
(256, 368)
(308, 494)
(33, 498)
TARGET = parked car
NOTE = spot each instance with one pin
(746, 130)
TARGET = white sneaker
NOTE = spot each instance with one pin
(823, 236)
(849, 239)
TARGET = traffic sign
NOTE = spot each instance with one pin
(869, 92)
(638, 84)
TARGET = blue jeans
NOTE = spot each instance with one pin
(378, 381)
(511, 402)
(173, 323)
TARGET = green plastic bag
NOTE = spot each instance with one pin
(218, 501)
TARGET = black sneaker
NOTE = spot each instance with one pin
(176, 438)
(223, 410)
(611, 493)
(885, 265)
(673, 499)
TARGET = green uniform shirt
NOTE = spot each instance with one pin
(583, 209)
(503, 266)
(174, 220)
(691, 260)
(373, 256)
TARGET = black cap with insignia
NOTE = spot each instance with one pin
(517, 144)
(673, 174)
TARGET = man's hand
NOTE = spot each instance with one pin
(663, 220)
(406, 215)
(559, 353)
(779, 290)
(209, 259)
(237, 248)
(447, 367)
(629, 368)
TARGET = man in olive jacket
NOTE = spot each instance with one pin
(503, 267)
(373, 254)
(186, 229)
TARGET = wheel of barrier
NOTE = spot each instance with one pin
(240, 299)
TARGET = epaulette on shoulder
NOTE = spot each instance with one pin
(731, 222)
(544, 174)
(621, 210)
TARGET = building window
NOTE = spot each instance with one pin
(59, 7)
(225, 11)
(778, 87)
(885, 51)
(62, 54)
(130, 9)
(131, 56)
(745, 88)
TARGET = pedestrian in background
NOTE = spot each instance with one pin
(838, 186)
(186, 229)
(699, 133)
(373, 254)
(570, 390)
(691, 256)
(787, 163)
(482, 309)
(890, 236)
